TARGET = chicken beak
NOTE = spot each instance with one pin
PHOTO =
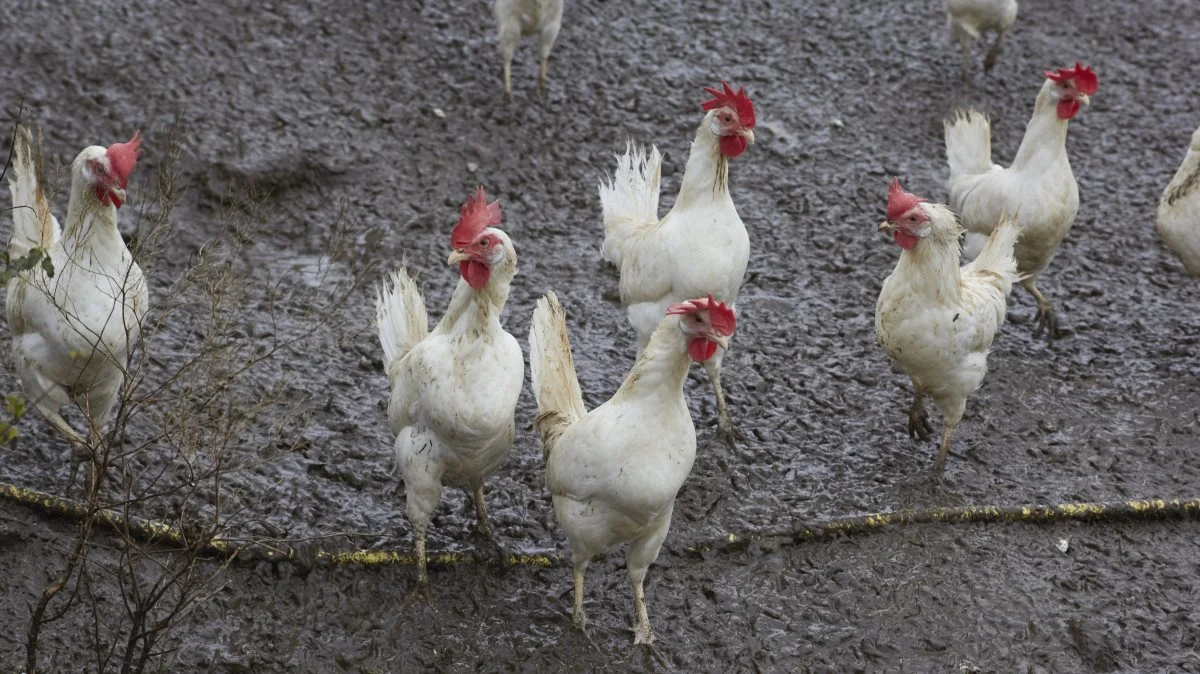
(457, 256)
(886, 226)
(720, 340)
(748, 134)
(1084, 99)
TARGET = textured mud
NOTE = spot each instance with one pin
(321, 105)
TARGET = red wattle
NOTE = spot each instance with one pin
(475, 273)
(700, 349)
(1067, 108)
(732, 146)
(904, 239)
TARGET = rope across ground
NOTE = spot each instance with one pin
(152, 531)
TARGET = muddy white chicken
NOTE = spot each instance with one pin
(518, 18)
(700, 246)
(613, 472)
(454, 390)
(1038, 189)
(971, 18)
(72, 332)
(1179, 210)
(938, 320)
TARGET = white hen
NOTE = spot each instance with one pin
(970, 18)
(613, 472)
(72, 333)
(454, 390)
(518, 18)
(938, 320)
(1038, 189)
(700, 246)
(1179, 210)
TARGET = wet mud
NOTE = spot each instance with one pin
(323, 108)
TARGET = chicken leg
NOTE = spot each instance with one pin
(578, 616)
(1047, 320)
(482, 526)
(939, 462)
(966, 58)
(918, 418)
(638, 558)
(989, 61)
(422, 558)
(725, 429)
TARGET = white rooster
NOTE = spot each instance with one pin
(518, 18)
(72, 332)
(1039, 188)
(938, 320)
(613, 472)
(970, 18)
(700, 246)
(1179, 210)
(455, 389)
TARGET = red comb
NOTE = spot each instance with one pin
(736, 100)
(899, 201)
(477, 215)
(721, 317)
(1085, 78)
(123, 157)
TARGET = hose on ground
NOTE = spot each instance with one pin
(308, 554)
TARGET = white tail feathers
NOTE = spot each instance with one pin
(34, 226)
(400, 317)
(996, 256)
(630, 201)
(555, 384)
(968, 143)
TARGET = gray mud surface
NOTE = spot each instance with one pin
(320, 105)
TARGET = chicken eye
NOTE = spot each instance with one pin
(483, 243)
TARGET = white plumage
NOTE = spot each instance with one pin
(613, 473)
(72, 333)
(971, 18)
(1038, 189)
(518, 18)
(454, 390)
(938, 320)
(700, 246)
(1178, 219)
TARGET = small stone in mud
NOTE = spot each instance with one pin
(1063, 545)
(437, 112)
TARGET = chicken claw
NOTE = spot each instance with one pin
(918, 419)
(1047, 322)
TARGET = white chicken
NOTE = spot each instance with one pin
(518, 18)
(1038, 189)
(72, 332)
(700, 246)
(938, 320)
(455, 389)
(1179, 210)
(970, 18)
(613, 472)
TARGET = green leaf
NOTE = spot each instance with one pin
(15, 405)
(48, 266)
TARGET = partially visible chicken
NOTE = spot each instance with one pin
(970, 18)
(516, 19)
(700, 246)
(454, 390)
(613, 472)
(938, 320)
(72, 333)
(1179, 210)
(1038, 189)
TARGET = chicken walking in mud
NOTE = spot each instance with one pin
(72, 331)
(700, 246)
(938, 320)
(455, 389)
(1039, 188)
(613, 473)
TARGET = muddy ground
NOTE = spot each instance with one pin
(319, 105)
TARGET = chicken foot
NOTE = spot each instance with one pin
(725, 429)
(918, 419)
(1047, 319)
